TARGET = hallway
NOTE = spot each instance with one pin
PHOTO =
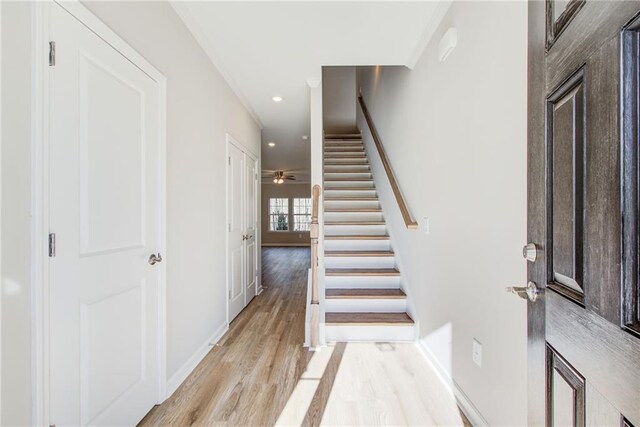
(249, 375)
(260, 374)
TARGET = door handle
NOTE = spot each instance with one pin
(530, 292)
(153, 258)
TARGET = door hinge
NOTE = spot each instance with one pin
(229, 159)
(229, 293)
(52, 245)
(52, 54)
(229, 226)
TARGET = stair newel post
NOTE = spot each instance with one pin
(315, 302)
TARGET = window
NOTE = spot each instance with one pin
(301, 214)
(278, 214)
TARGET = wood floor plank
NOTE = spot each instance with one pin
(247, 378)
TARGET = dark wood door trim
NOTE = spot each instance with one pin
(536, 208)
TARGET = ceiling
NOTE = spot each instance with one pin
(267, 48)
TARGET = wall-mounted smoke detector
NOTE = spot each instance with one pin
(448, 42)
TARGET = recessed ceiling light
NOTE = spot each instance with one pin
(271, 144)
(277, 98)
(305, 137)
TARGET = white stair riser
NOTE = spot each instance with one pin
(349, 193)
(362, 282)
(341, 168)
(359, 262)
(365, 305)
(369, 333)
(353, 216)
(355, 230)
(348, 175)
(357, 245)
(346, 204)
(357, 161)
(344, 153)
(348, 183)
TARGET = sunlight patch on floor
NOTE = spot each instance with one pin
(298, 404)
(375, 384)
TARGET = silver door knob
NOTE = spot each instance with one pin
(244, 237)
(153, 258)
(530, 252)
(530, 292)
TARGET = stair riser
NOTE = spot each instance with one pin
(345, 149)
(349, 184)
(348, 175)
(365, 305)
(369, 333)
(355, 230)
(362, 282)
(360, 262)
(347, 204)
(357, 245)
(355, 152)
(343, 168)
(347, 160)
(349, 193)
(353, 216)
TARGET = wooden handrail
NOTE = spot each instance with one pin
(406, 215)
(315, 301)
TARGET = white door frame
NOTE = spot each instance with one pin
(231, 140)
(40, 194)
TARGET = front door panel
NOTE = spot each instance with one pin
(583, 210)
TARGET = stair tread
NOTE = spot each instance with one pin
(354, 223)
(354, 210)
(358, 253)
(356, 237)
(349, 189)
(365, 294)
(368, 318)
(362, 272)
(351, 199)
(348, 179)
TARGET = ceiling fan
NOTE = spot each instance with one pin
(279, 177)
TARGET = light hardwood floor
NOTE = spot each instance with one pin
(259, 374)
(248, 377)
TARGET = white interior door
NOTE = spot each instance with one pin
(235, 215)
(251, 208)
(104, 194)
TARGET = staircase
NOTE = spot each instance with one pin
(363, 298)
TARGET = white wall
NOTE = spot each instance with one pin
(455, 133)
(16, 211)
(338, 99)
(201, 108)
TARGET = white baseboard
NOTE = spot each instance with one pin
(178, 378)
(465, 404)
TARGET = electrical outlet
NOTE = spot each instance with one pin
(476, 352)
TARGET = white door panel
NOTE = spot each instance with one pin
(105, 211)
(235, 182)
(250, 210)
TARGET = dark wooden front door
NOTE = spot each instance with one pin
(584, 212)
